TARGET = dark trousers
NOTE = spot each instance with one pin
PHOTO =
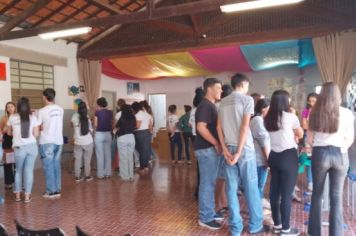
(328, 160)
(176, 140)
(143, 146)
(187, 137)
(284, 172)
(9, 174)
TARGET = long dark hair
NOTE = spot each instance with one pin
(83, 118)
(24, 110)
(147, 107)
(260, 105)
(325, 113)
(199, 96)
(127, 113)
(279, 103)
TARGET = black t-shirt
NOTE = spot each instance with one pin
(125, 126)
(206, 112)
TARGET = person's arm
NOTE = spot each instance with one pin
(242, 137)
(9, 130)
(36, 131)
(310, 137)
(298, 133)
(203, 130)
(260, 134)
(305, 122)
(95, 121)
(227, 155)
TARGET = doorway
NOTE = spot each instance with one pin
(110, 96)
(158, 105)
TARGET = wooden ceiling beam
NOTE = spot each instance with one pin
(15, 21)
(157, 13)
(9, 6)
(96, 38)
(70, 16)
(196, 23)
(245, 38)
(129, 3)
(172, 26)
(108, 7)
(59, 9)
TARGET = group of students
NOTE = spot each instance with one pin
(131, 129)
(248, 139)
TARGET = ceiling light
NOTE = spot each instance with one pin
(243, 6)
(65, 33)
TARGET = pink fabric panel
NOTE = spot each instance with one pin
(110, 70)
(226, 59)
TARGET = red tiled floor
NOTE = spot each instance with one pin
(161, 203)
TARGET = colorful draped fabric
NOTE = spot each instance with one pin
(204, 62)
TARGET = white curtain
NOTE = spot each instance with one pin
(336, 57)
(90, 78)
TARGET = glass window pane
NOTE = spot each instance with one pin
(29, 66)
(14, 78)
(48, 81)
(15, 85)
(14, 64)
(48, 75)
(14, 71)
(31, 80)
(31, 73)
(48, 69)
(31, 86)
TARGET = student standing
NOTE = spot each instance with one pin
(174, 133)
(331, 133)
(50, 118)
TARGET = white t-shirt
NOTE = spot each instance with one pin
(51, 118)
(344, 136)
(283, 139)
(145, 119)
(172, 121)
(192, 121)
(118, 116)
(78, 138)
(15, 123)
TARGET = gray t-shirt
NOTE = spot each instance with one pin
(261, 139)
(231, 111)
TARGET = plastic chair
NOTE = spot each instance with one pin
(80, 232)
(21, 230)
(3, 230)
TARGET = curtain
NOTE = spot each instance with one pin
(90, 78)
(336, 57)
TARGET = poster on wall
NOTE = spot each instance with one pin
(2, 71)
(133, 88)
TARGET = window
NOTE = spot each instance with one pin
(29, 79)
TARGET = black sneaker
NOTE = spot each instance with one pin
(264, 229)
(219, 217)
(213, 225)
(277, 229)
(49, 195)
(57, 194)
(290, 232)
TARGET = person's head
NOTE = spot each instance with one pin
(325, 114)
(262, 107)
(199, 96)
(226, 90)
(48, 95)
(256, 97)
(212, 88)
(311, 99)
(10, 108)
(279, 104)
(172, 109)
(83, 118)
(146, 106)
(121, 102)
(240, 82)
(24, 111)
(136, 107)
(127, 113)
(187, 108)
(101, 102)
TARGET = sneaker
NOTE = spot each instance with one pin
(296, 188)
(189, 162)
(266, 204)
(213, 225)
(290, 232)
(277, 229)
(57, 194)
(264, 229)
(296, 198)
(78, 179)
(218, 217)
(49, 195)
(89, 178)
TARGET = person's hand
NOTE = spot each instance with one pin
(227, 155)
(218, 148)
(235, 159)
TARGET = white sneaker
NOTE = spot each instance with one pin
(266, 204)
(296, 188)
(310, 187)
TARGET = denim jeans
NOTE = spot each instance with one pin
(126, 148)
(208, 160)
(243, 172)
(51, 161)
(103, 153)
(175, 140)
(187, 137)
(328, 160)
(284, 173)
(25, 157)
(262, 173)
(143, 146)
(309, 175)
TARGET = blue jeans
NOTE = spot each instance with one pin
(262, 173)
(309, 175)
(25, 157)
(103, 153)
(51, 161)
(243, 172)
(126, 147)
(208, 160)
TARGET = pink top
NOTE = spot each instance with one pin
(306, 113)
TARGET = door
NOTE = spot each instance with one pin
(111, 98)
(158, 105)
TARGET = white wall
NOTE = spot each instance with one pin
(64, 76)
(5, 86)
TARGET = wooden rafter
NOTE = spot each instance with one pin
(157, 13)
(196, 23)
(129, 3)
(9, 6)
(50, 15)
(97, 37)
(25, 14)
(76, 12)
(172, 26)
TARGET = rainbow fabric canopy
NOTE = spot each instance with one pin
(205, 62)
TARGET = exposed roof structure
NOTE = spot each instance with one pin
(123, 28)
